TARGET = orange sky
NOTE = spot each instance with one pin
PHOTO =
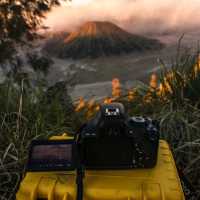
(80, 2)
(139, 16)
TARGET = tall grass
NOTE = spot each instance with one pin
(173, 98)
(27, 113)
(175, 103)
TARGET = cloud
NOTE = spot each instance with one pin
(137, 16)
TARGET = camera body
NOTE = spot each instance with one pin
(113, 140)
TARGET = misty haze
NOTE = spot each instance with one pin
(116, 80)
(97, 41)
(164, 21)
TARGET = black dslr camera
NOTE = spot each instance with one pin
(112, 140)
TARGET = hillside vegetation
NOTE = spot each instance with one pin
(172, 98)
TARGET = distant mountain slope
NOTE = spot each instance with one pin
(95, 39)
(54, 42)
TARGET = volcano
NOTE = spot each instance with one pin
(96, 39)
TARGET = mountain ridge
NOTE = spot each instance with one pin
(95, 38)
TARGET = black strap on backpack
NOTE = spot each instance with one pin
(80, 171)
(79, 182)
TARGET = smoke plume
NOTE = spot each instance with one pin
(154, 17)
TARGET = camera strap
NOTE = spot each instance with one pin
(79, 181)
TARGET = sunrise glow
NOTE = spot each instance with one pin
(80, 2)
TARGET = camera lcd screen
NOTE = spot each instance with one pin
(51, 155)
(59, 152)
